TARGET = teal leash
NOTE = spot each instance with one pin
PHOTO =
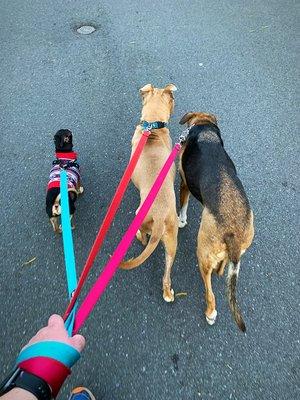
(68, 246)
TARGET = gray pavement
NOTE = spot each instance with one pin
(236, 59)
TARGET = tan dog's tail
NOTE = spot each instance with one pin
(156, 234)
(234, 253)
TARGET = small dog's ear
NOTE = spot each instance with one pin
(186, 117)
(56, 140)
(146, 89)
(62, 141)
(170, 88)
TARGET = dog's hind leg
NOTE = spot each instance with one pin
(207, 266)
(206, 271)
(71, 221)
(79, 188)
(54, 223)
(184, 202)
(221, 266)
(169, 240)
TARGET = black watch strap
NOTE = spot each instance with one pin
(33, 384)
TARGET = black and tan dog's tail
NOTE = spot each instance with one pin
(157, 232)
(234, 254)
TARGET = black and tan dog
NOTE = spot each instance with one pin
(65, 158)
(226, 229)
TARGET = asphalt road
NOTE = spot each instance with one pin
(236, 59)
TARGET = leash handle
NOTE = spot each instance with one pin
(67, 244)
(110, 214)
(111, 267)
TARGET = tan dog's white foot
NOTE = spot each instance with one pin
(168, 295)
(141, 237)
(181, 222)
(211, 319)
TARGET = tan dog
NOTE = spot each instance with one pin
(161, 222)
(226, 229)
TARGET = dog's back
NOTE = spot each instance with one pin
(211, 177)
(226, 229)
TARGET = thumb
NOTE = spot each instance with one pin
(78, 341)
(56, 321)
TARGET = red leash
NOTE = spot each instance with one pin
(110, 214)
(113, 264)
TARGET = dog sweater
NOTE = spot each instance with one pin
(68, 162)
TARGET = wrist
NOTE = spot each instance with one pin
(18, 393)
(35, 387)
(50, 361)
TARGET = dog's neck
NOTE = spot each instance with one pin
(204, 121)
(65, 149)
(150, 115)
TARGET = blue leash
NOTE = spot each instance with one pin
(68, 246)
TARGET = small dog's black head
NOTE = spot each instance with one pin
(63, 140)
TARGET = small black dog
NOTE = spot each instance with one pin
(65, 158)
(226, 229)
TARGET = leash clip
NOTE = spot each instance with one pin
(184, 134)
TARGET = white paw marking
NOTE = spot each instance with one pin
(212, 318)
(169, 299)
(80, 190)
(182, 222)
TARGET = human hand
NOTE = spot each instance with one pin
(56, 331)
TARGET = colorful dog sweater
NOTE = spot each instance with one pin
(68, 162)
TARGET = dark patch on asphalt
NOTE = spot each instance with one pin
(175, 359)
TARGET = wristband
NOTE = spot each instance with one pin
(31, 383)
(50, 361)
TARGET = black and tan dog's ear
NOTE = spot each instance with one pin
(186, 117)
(214, 119)
(146, 89)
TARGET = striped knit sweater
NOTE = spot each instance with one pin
(73, 171)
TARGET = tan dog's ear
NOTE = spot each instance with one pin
(170, 88)
(186, 117)
(146, 89)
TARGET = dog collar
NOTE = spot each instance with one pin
(148, 126)
(71, 155)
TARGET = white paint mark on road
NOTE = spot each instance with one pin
(86, 29)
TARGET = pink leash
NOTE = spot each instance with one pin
(112, 265)
(109, 216)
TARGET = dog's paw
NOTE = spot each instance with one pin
(168, 295)
(211, 319)
(142, 238)
(80, 190)
(182, 222)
